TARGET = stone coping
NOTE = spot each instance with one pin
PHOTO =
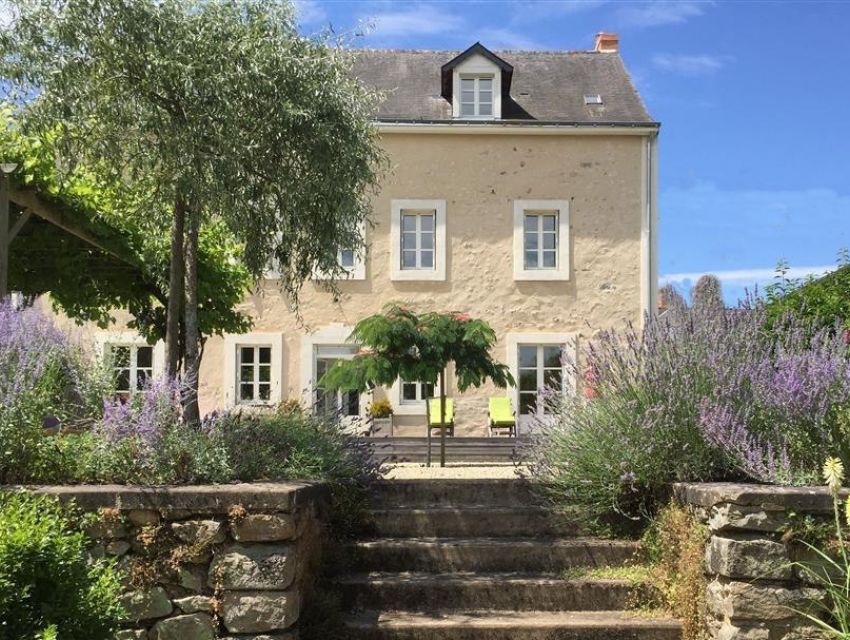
(212, 499)
(767, 497)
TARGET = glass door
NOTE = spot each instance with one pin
(540, 366)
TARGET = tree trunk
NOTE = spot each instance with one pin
(443, 418)
(175, 289)
(192, 363)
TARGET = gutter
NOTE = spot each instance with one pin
(513, 127)
(649, 227)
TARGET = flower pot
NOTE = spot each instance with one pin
(381, 427)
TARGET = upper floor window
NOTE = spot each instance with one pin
(255, 373)
(132, 365)
(476, 97)
(541, 240)
(418, 240)
(346, 258)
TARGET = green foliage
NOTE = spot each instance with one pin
(49, 588)
(380, 409)
(825, 300)
(401, 344)
(221, 104)
(127, 219)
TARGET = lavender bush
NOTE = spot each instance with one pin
(701, 393)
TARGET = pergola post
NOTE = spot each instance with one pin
(5, 240)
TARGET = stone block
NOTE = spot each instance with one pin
(199, 532)
(106, 529)
(726, 517)
(117, 547)
(192, 578)
(729, 631)
(259, 611)
(131, 634)
(291, 635)
(256, 567)
(144, 517)
(146, 605)
(748, 558)
(194, 604)
(197, 626)
(264, 528)
(739, 601)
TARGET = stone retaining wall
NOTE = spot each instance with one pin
(753, 586)
(200, 562)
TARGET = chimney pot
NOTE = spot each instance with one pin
(607, 42)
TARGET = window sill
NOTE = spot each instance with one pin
(411, 409)
(542, 275)
(414, 275)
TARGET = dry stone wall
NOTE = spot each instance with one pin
(206, 562)
(755, 590)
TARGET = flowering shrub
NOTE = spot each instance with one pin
(701, 393)
(46, 381)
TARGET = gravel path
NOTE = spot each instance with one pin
(413, 470)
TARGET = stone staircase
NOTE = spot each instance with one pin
(478, 560)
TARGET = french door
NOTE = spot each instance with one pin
(540, 366)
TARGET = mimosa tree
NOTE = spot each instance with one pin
(398, 343)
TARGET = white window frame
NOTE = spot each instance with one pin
(232, 344)
(561, 272)
(104, 343)
(438, 273)
(567, 341)
(255, 382)
(355, 272)
(476, 96)
(403, 407)
(477, 66)
(328, 336)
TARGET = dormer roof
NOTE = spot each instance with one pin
(477, 49)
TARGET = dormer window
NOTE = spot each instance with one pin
(476, 96)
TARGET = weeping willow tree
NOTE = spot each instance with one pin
(221, 112)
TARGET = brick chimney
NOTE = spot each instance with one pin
(607, 42)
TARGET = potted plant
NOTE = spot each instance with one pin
(380, 413)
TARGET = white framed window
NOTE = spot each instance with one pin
(352, 261)
(541, 240)
(418, 240)
(408, 396)
(132, 366)
(539, 361)
(416, 392)
(253, 367)
(476, 96)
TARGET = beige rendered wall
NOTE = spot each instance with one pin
(479, 177)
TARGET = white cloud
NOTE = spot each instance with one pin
(745, 276)
(496, 38)
(309, 12)
(421, 19)
(655, 13)
(690, 65)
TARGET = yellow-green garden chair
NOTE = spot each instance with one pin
(502, 416)
(434, 416)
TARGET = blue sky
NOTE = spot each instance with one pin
(754, 100)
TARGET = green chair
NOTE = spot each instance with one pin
(502, 416)
(434, 416)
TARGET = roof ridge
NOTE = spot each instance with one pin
(456, 51)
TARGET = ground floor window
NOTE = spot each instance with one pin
(132, 365)
(254, 364)
(344, 403)
(540, 366)
(416, 392)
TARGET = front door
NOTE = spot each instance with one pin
(540, 367)
(345, 404)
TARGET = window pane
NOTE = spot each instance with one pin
(467, 84)
(427, 222)
(246, 373)
(531, 260)
(467, 109)
(527, 403)
(144, 357)
(141, 377)
(408, 222)
(552, 379)
(485, 109)
(408, 391)
(246, 392)
(527, 356)
(408, 260)
(265, 374)
(427, 390)
(549, 223)
(122, 380)
(408, 241)
(427, 258)
(531, 238)
(485, 97)
(121, 356)
(351, 403)
(427, 240)
(485, 84)
(552, 357)
(247, 355)
(265, 391)
(549, 241)
(549, 259)
(346, 258)
(467, 97)
(530, 223)
(322, 367)
(265, 355)
(528, 380)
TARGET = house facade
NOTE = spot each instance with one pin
(521, 190)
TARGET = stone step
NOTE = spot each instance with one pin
(460, 449)
(502, 625)
(506, 492)
(469, 592)
(528, 555)
(442, 522)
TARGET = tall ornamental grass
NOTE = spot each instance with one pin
(702, 393)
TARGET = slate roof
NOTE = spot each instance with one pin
(547, 86)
